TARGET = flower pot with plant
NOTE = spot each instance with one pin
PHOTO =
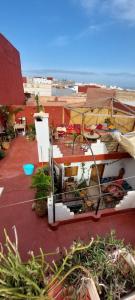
(31, 132)
(5, 145)
(42, 183)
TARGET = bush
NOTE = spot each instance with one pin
(41, 182)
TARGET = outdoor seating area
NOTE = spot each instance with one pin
(93, 130)
(86, 200)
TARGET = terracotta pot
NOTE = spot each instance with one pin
(41, 208)
(5, 145)
(62, 293)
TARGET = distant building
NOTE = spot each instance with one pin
(38, 86)
(11, 87)
(50, 78)
(84, 88)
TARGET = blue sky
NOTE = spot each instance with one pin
(93, 36)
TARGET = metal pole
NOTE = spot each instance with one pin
(100, 191)
(54, 216)
(51, 163)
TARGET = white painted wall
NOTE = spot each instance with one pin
(127, 202)
(38, 89)
(97, 148)
(113, 169)
(62, 212)
(129, 165)
(1, 191)
(110, 170)
(42, 135)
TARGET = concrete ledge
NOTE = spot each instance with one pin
(91, 217)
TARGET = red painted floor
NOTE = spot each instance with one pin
(66, 146)
(34, 232)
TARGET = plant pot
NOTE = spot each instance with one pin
(62, 293)
(41, 207)
(5, 145)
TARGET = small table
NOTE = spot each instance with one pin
(94, 136)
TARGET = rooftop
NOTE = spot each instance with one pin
(34, 232)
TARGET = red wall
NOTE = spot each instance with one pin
(49, 78)
(24, 79)
(84, 88)
(55, 114)
(11, 87)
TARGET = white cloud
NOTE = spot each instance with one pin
(89, 30)
(119, 9)
(89, 4)
(124, 9)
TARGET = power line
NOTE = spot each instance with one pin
(22, 202)
(97, 185)
(77, 190)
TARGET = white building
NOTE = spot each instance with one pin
(38, 86)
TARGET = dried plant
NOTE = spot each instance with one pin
(36, 279)
(111, 280)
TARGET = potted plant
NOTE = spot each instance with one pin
(42, 183)
(7, 114)
(5, 144)
(31, 132)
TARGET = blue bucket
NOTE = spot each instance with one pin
(28, 169)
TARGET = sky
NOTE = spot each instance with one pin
(83, 39)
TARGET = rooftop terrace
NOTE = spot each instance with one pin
(34, 232)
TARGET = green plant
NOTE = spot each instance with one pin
(10, 133)
(46, 170)
(31, 131)
(20, 280)
(35, 279)
(7, 113)
(2, 154)
(42, 183)
(108, 121)
(82, 184)
(107, 272)
(39, 106)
